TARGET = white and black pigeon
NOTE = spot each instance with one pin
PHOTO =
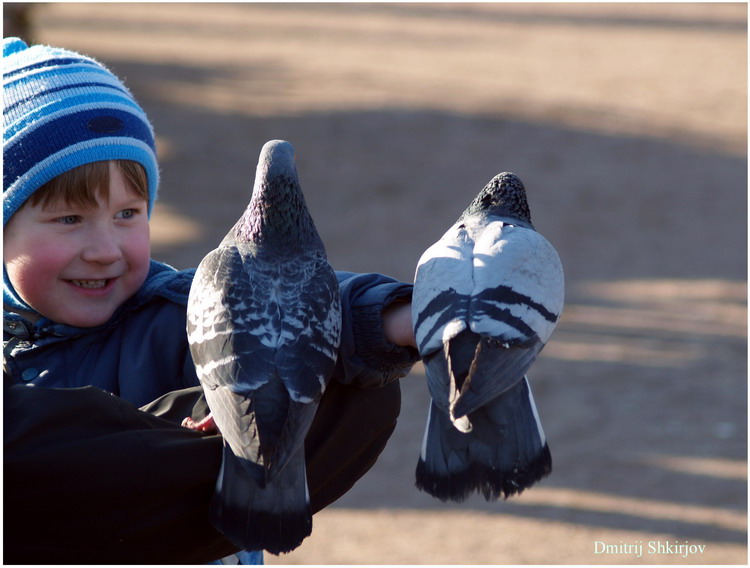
(486, 299)
(264, 326)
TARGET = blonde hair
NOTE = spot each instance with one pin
(82, 185)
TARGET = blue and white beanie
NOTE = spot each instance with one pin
(62, 110)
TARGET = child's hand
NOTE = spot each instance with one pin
(397, 325)
(206, 425)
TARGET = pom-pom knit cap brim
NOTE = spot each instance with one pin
(62, 110)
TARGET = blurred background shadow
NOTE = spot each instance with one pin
(628, 125)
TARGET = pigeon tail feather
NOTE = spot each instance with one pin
(482, 479)
(276, 518)
(505, 452)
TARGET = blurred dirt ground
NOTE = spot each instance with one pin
(628, 125)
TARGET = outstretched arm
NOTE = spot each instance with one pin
(105, 483)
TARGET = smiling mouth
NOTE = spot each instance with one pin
(89, 283)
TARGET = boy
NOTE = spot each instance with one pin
(84, 304)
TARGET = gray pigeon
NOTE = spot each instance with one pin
(487, 297)
(264, 326)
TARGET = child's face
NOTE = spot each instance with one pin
(76, 265)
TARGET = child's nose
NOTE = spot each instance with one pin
(102, 247)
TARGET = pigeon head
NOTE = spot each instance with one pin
(503, 196)
(277, 213)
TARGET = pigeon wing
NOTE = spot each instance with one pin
(515, 305)
(310, 326)
(440, 305)
(233, 329)
(518, 284)
(230, 318)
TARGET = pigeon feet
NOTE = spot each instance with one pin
(206, 425)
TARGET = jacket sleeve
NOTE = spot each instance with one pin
(366, 358)
(103, 483)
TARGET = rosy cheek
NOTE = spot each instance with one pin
(139, 254)
(31, 278)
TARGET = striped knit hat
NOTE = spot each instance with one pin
(62, 110)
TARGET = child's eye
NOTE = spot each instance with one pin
(127, 213)
(68, 220)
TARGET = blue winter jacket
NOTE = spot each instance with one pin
(142, 352)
